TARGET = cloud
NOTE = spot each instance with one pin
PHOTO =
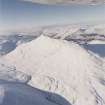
(67, 1)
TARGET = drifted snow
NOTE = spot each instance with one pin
(61, 67)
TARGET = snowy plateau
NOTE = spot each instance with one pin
(54, 65)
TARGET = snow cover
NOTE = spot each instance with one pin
(69, 32)
(97, 42)
(61, 67)
(14, 91)
(77, 33)
(9, 73)
(98, 28)
(60, 32)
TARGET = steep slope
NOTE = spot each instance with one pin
(62, 67)
(10, 74)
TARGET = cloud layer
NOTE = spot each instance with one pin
(67, 1)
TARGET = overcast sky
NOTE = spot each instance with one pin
(18, 14)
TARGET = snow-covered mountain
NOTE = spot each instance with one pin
(61, 67)
(67, 64)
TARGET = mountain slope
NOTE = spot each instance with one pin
(61, 67)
